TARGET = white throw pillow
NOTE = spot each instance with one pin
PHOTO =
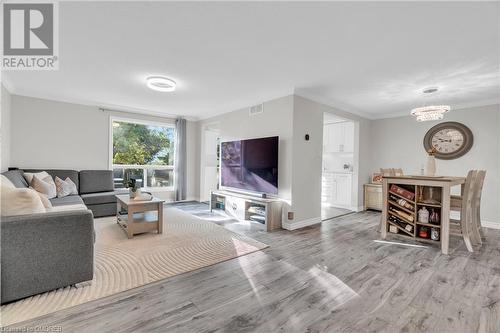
(45, 201)
(45, 186)
(65, 187)
(20, 201)
(29, 175)
(5, 182)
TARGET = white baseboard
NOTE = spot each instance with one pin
(489, 224)
(300, 224)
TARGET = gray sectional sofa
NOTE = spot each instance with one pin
(46, 251)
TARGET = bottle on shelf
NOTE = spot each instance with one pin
(423, 232)
(401, 202)
(405, 225)
(405, 215)
(423, 215)
(434, 217)
(435, 234)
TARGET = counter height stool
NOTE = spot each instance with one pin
(464, 226)
(456, 205)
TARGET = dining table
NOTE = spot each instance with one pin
(408, 190)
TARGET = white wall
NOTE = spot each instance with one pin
(51, 134)
(300, 161)
(361, 170)
(276, 120)
(397, 142)
(5, 134)
(307, 163)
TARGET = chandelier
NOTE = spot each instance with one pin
(431, 112)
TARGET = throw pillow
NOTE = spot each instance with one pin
(20, 201)
(45, 201)
(29, 175)
(5, 182)
(65, 187)
(45, 186)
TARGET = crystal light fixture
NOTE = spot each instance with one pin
(431, 112)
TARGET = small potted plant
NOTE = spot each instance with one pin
(131, 184)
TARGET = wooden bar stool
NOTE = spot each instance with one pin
(464, 226)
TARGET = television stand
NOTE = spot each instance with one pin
(245, 207)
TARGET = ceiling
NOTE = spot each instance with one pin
(370, 58)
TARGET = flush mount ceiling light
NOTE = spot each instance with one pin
(431, 112)
(160, 83)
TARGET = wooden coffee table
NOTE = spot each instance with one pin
(141, 216)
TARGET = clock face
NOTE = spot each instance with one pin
(449, 140)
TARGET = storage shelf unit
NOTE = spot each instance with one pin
(246, 207)
(408, 213)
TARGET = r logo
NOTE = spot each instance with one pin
(28, 29)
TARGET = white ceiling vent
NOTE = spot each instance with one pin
(256, 109)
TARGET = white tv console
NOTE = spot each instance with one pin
(246, 207)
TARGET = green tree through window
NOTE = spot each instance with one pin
(143, 152)
(138, 144)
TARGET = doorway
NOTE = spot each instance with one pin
(339, 175)
(209, 161)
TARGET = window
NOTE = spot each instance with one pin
(143, 151)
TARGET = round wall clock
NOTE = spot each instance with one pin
(449, 140)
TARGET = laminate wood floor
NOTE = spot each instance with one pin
(328, 278)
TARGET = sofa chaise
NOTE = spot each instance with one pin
(46, 251)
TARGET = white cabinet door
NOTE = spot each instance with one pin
(333, 137)
(343, 189)
(348, 137)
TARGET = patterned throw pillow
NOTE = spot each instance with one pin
(65, 187)
(29, 175)
(45, 186)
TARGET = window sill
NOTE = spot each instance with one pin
(157, 189)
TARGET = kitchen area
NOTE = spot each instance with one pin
(338, 166)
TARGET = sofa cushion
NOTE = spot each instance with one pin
(92, 181)
(102, 197)
(64, 208)
(72, 174)
(16, 177)
(69, 200)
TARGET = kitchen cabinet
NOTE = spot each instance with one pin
(338, 137)
(336, 189)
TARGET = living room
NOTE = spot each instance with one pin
(163, 168)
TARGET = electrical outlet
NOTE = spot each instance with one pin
(290, 215)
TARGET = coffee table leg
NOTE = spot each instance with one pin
(130, 222)
(160, 217)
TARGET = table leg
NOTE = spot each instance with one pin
(160, 217)
(445, 219)
(118, 209)
(383, 221)
(130, 222)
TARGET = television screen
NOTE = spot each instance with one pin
(250, 165)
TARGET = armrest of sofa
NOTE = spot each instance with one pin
(42, 252)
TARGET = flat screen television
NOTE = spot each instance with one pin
(250, 165)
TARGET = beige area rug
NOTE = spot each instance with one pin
(187, 243)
